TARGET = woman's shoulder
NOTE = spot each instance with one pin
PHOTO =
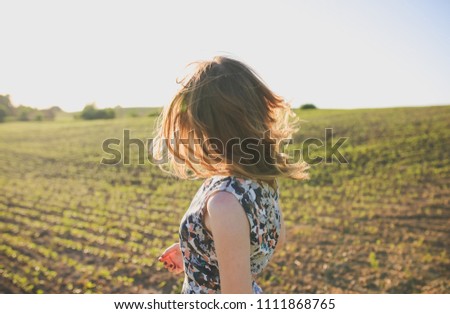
(241, 186)
(223, 200)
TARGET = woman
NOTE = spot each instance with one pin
(225, 126)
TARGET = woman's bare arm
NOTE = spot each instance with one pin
(231, 233)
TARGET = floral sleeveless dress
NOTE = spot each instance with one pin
(260, 202)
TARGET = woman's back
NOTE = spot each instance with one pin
(260, 203)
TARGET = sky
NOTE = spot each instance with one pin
(334, 54)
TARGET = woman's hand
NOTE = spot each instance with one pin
(173, 259)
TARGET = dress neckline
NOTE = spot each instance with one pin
(272, 190)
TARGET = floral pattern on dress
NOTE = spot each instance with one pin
(260, 203)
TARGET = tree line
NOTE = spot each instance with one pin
(24, 113)
(9, 112)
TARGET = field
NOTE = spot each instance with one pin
(377, 224)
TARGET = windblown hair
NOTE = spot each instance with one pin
(226, 121)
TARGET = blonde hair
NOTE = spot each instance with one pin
(224, 99)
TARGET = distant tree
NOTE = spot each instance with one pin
(47, 114)
(55, 109)
(308, 106)
(23, 116)
(50, 114)
(106, 113)
(2, 115)
(6, 106)
(25, 113)
(90, 112)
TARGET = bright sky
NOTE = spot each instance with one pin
(335, 54)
